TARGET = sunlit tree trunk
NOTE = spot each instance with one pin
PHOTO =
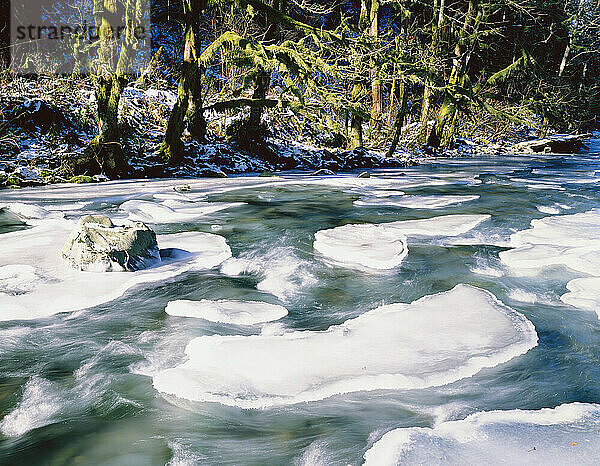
(189, 90)
(437, 24)
(110, 77)
(376, 87)
(440, 134)
(400, 116)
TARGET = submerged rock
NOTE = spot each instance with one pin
(268, 174)
(186, 188)
(98, 245)
(82, 179)
(323, 172)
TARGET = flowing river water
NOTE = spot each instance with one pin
(440, 314)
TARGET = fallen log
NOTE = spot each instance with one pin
(556, 144)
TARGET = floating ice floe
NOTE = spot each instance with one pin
(434, 341)
(567, 434)
(17, 279)
(372, 246)
(548, 210)
(384, 246)
(227, 311)
(584, 293)
(36, 282)
(415, 202)
(147, 211)
(570, 240)
(28, 211)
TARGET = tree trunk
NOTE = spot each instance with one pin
(428, 90)
(449, 109)
(189, 90)
(376, 87)
(399, 123)
(261, 88)
(105, 152)
(355, 139)
(263, 78)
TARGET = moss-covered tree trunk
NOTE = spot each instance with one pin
(376, 86)
(400, 116)
(189, 89)
(105, 153)
(447, 116)
(355, 138)
(261, 88)
(263, 77)
(436, 24)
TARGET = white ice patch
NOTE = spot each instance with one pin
(584, 293)
(37, 408)
(570, 240)
(434, 341)
(415, 202)
(227, 311)
(282, 272)
(383, 246)
(27, 211)
(444, 225)
(17, 279)
(567, 434)
(548, 210)
(357, 246)
(53, 286)
(153, 212)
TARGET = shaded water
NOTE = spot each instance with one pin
(77, 387)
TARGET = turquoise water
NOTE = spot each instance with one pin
(77, 387)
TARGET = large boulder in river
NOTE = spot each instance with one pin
(98, 245)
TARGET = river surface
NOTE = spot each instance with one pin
(450, 340)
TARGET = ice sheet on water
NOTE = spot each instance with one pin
(17, 279)
(584, 293)
(37, 283)
(227, 311)
(415, 202)
(434, 341)
(384, 246)
(570, 240)
(147, 211)
(567, 434)
(548, 210)
(362, 246)
(28, 211)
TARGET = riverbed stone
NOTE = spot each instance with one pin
(97, 244)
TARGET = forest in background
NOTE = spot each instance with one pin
(345, 74)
